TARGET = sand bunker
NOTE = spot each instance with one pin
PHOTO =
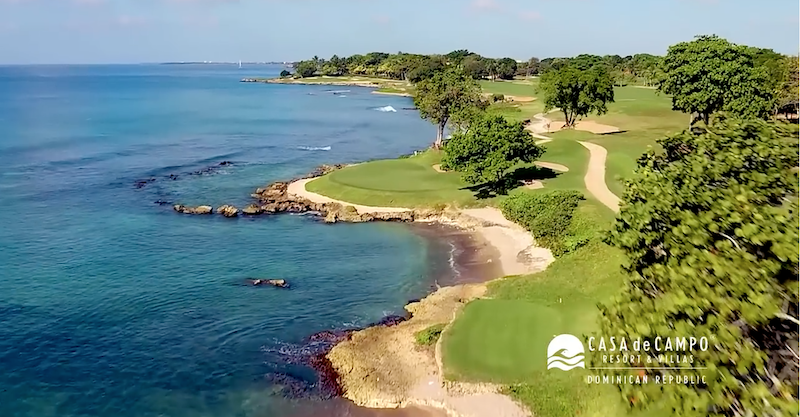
(587, 126)
(438, 168)
(552, 165)
(509, 98)
(534, 185)
(521, 99)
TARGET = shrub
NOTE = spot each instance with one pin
(285, 74)
(550, 217)
(498, 97)
(430, 335)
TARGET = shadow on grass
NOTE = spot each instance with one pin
(510, 181)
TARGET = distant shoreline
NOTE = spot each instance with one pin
(396, 88)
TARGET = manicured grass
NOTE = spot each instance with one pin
(405, 182)
(510, 88)
(396, 90)
(500, 341)
(644, 116)
(514, 111)
(504, 339)
(412, 182)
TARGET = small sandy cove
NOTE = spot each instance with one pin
(383, 367)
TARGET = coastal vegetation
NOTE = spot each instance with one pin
(429, 335)
(710, 233)
(705, 243)
(551, 218)
(643, 69)
(485, 151)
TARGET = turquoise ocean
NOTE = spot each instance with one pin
(113, 305)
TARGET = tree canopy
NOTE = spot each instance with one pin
(788, 90)
(488, 149)
(447, 94)
(577, 92)
(410, 67)
(710, 74)
(710, 230)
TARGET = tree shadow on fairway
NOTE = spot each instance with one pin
(517, 178)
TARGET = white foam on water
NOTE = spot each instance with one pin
(387, 109)
(314, 148)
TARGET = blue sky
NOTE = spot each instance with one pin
(132, 31)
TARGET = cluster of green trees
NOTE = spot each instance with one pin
(710, 75)
(408, 67)
(705, 76)
(639, 68)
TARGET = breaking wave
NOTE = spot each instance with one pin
(387, 109)
(314, 148)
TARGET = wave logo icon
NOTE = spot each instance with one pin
(565, 352)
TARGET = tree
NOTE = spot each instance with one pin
(491, 146)
(577, 92)
(492, 68)
(532, 67)
(426, 67)
(447, 93)
(506, 68)
(710, 74)
(306, 68)
(457, 57)
(710, 230)
(474, 66)
(788, 91)
(285, 73)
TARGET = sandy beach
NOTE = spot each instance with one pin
(382, 367)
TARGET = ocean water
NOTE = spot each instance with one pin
(112, 305)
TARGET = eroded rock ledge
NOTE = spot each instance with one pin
(275, 199)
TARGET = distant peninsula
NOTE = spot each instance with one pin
(226, 62)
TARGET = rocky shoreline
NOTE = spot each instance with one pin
(380, 366)
(275, 198)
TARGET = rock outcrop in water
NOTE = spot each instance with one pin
(205, 171)
(252, 210)
(228, 210)
(180, 208)
(280, 283)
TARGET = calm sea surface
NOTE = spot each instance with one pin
(111, 305)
